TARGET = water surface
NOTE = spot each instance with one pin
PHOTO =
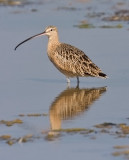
(29, 83)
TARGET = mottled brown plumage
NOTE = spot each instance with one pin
(69, 60)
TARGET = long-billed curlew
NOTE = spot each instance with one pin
(68, 59)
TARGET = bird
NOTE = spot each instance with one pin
(69, 60)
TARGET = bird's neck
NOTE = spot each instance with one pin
(53, 42)
(53, 39)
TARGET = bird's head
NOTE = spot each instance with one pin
(50, 31)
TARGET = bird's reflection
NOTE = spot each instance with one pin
(72, 102)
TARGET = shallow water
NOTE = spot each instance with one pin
(29, 84)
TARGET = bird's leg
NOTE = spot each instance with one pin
(68, 80)
(77, 82)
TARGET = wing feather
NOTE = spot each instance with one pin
(74, 61)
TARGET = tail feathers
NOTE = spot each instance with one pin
(103, 75)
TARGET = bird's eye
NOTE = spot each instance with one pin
(51, 29)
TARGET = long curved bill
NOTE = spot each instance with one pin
(37, 35)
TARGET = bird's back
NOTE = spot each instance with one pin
(73, 62)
